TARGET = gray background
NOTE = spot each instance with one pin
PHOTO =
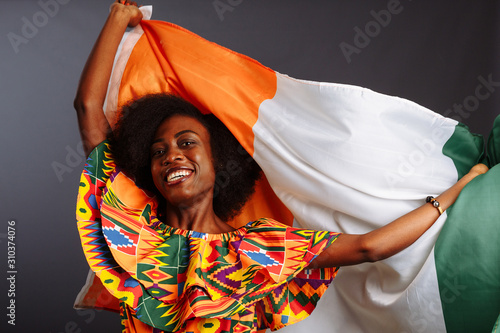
(433, 53)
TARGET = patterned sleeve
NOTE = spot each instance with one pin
(96, 235)
(96, 173)
(115, 225)
(290, 292)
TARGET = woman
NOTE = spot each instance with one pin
(182, 162)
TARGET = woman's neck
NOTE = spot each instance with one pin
(200, 218)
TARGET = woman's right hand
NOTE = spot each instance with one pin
(129, 7)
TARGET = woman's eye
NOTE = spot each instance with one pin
(157, 152)
(186, 143)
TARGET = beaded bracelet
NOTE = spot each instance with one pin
(430, 199)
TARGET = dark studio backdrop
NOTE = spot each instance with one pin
(440, 54)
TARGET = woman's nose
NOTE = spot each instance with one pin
(173, 155)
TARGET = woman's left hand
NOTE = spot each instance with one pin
(478, 169)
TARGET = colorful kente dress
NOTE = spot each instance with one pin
(175, 280)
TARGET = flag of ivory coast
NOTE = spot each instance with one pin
(346, 159)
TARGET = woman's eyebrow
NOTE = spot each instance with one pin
(157, 140)
(184, 131)
(175, 136)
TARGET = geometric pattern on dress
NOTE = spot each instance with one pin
(97, 171)
(221, 287)
(95, 247)
(92, 181)
(119, 239)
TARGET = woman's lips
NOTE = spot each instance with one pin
(177, 175)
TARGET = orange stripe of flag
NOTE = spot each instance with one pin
(170, 59)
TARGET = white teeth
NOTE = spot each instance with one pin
(178, 174)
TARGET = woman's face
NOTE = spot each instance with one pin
(181, 161)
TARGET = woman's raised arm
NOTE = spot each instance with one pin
(93, 83)
(394, 237)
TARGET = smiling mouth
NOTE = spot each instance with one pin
(177, 176)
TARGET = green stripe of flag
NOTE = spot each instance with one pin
(464, 148)
(467, 252)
